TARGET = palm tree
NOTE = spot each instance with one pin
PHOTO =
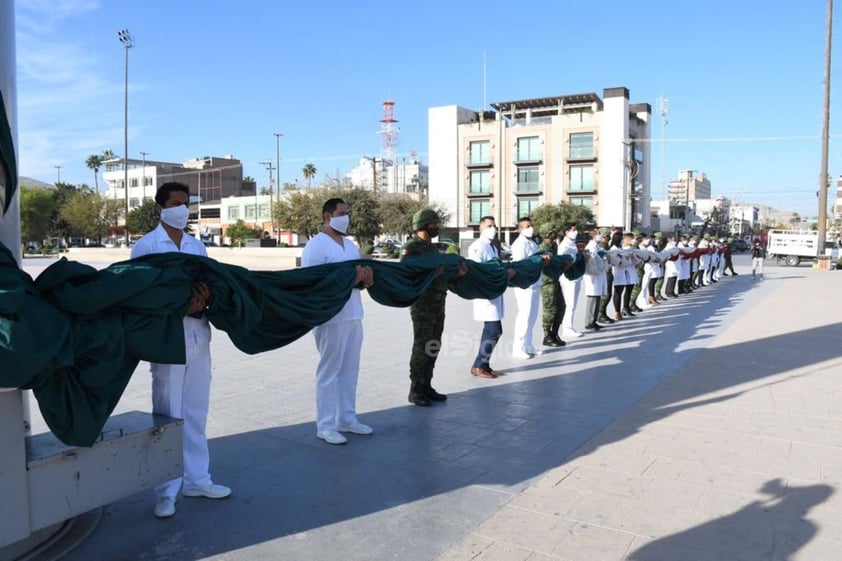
(309, 172)
(108, 155)
(94, 162)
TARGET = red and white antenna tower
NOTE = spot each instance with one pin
(388, 130)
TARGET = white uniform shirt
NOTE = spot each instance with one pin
(482, 251)
(322, 249)
(595, 282)
(523, 248)
(196, 330)
(654, 269)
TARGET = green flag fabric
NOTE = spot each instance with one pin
(75, 335)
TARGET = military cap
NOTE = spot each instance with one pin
(658, 235)
(707, 236)
(423, 217)
(605, 231)
(546, 229)
(637, 234)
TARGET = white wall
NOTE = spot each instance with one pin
(444, 154)
(613, 198)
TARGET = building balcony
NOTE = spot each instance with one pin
(530, 157)
(479, 192)
(529, 188)
(478, 163)
(581, 154)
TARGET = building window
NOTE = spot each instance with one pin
(528, 149)
(479, 209)
(581, 178)
(264, 211)
(250, 211)
(527, 205)
(480, 153)
(582, 201)
(527, 179)
(233, 213)
(134, 202)
(133, 182)
(147, 181)
(480, 182)
(581, 146)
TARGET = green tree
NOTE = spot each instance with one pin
(87, 213)
(143, 218)
(36, 208)
(240, 232)
(94, 162)
(301, 213)
(396, 211)
(309, 172)
(62, 193)
(561, 214)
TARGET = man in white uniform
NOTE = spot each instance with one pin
(490, 312)
(340, 339)
(595, 279)
(527, 298)
(569, 288)
(183, 390)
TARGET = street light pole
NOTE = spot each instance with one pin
(58, 172)
(823, 177)
(128, 42)
(278, 136)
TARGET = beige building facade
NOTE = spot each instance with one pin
(579, 148)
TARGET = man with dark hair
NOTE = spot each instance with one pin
(427, 313)
(183, 390)
(339, 339)
(527, 298)
(551, 299)
(490, 312)
(569, 288)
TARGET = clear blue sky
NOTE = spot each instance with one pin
(218, 77)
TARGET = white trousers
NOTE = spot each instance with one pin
(183, 391)
(527, 314)
(570, 291)
(757, 265)
(339, 347)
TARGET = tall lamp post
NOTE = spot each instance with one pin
(278, 136)
(128, 42)
(143, 180)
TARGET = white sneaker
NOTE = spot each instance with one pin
(517, 353)
(165, 507)
(211, 491)
(332, 437)
(570, 334)
(533, 351)
(356, 428)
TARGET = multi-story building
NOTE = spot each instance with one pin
(837, 205)
(209, 179)
(690, 186)
(389, 176)
(575, 148)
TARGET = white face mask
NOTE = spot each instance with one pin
(571, 235)
(528, 232)
(489, 233)
(175, 216)
(598, 238)
(340, 223)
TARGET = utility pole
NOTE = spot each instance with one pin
(278, 136)
(58, 172)
(373, 160)
(128, 42)
(268, 164)
(823, 181)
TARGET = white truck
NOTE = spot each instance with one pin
(794, 246)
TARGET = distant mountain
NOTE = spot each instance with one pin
(30, 182)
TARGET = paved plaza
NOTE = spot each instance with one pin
(707, 428)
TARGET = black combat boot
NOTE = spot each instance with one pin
(418, 396)
(432, 395)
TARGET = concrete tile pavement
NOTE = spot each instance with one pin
(690, 432)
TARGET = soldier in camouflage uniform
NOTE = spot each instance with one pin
(638, 236)
(427, 314)
(551, 297)
(660, 243)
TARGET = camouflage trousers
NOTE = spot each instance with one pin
(603, 303)
(637, 287)
(427, 325)
(553, 307)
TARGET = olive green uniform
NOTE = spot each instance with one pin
(427, 315)
(551, 297)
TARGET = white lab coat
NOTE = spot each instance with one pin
(528, 299)
(569, 288)
(595, 280)
(482, 251)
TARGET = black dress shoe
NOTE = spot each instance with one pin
(605, 319)
(628, 313)
(590, 326)
(558, 341)
(419, 399)
(433, 395)
(597, 326)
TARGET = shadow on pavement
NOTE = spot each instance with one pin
(429, 475)
(770, 530)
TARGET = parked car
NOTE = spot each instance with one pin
(385, 251)
(446, 245)
(740, 245)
